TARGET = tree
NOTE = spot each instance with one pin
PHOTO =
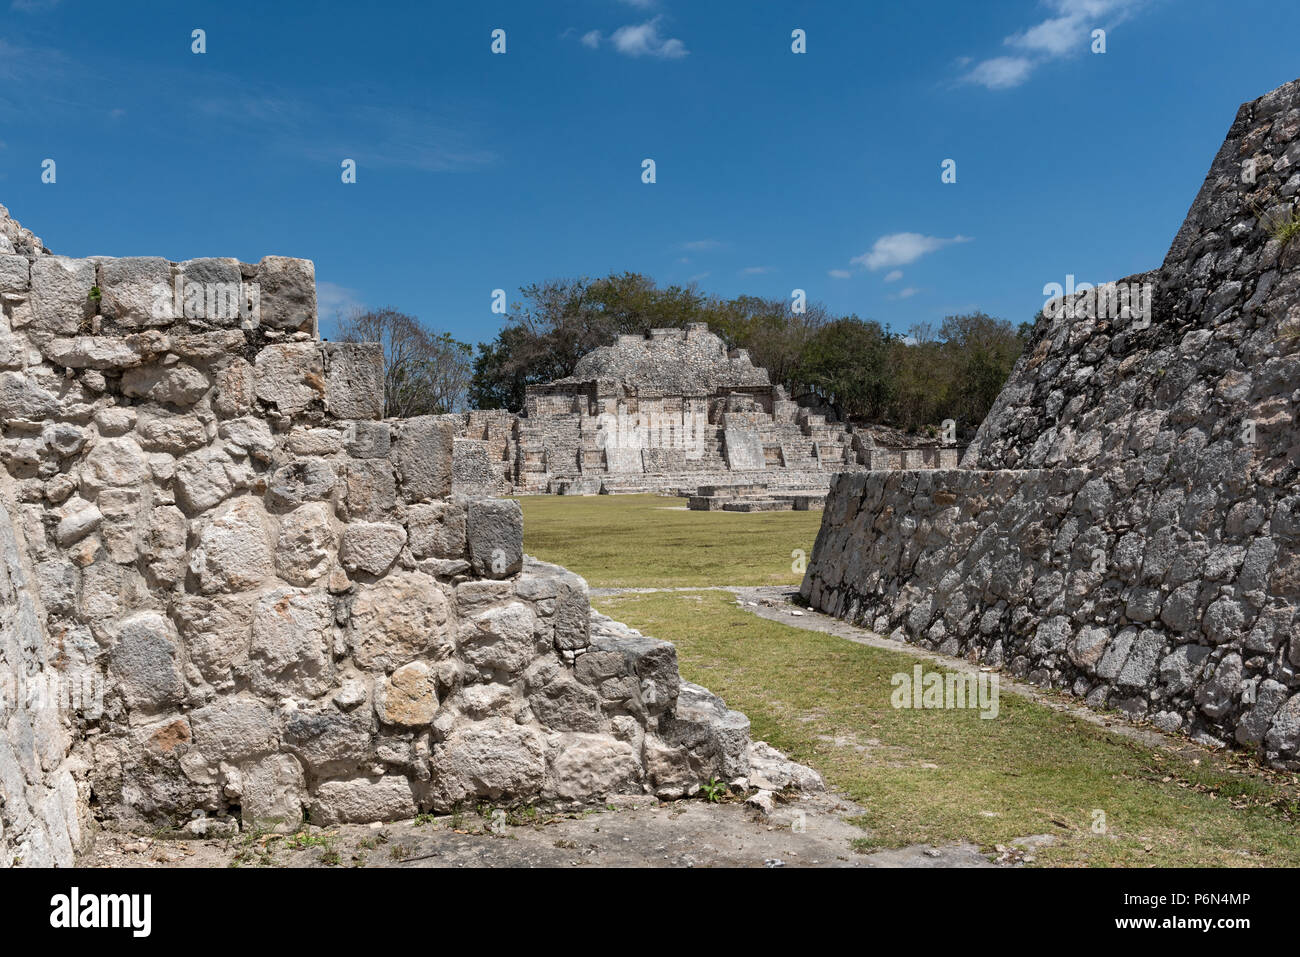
(847, 361)
(424, 372)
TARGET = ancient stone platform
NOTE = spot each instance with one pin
(1126, 524)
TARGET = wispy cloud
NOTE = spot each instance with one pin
(901, 249)
(703, 245)
(894, 275)
(907, 293)
(756, 270)
(644, 39)
(839, 273)
(334, 300)
(1065, 34)
(591, 39)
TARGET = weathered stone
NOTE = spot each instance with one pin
(234, 728)
(402, 617)
(500, 639)
(422, 456)
(178, 384)
(387, 798)
(137, 291)
(408, 697)
(307, 480)
(60, 294)
(371, 547)
(292, 643)
(234, 550)
(290, 376)
(287, 293)
(495, 529)
(371, 490)
(306, 546)
(594, 765)
(217, 630)
(274, 793)
(436, 530)
(145, 662)
(493, 759)
(354, 379)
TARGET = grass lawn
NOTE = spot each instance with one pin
(649, 540)
(944, 775)
(928, 776)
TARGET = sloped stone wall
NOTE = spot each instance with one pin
(1134, 532)
(287, 606)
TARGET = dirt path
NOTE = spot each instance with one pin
(812, 831)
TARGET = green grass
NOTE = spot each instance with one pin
(648, 540)
(942, 776)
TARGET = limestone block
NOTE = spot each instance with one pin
(495, 530)
(287, 293)
(60, 295)
(501, 639)
(329, 741)
(137, 291)
(306, 546)
(436, 530)
(15, 273)
(234, 728)
(404, 616)
(594, 765)
(307, 480)
(290, 376)
(22, 400)
(408, 697)
(292, 643)
(354, 379)
(368, 440)
(273, 794)
(371, 547)
(371, 489)
(494, 759)
(216, 631)
(145, 662)
(234, 552)
(387, 798)
(179, 384)
(422, 455)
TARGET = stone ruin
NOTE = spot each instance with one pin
(232, 592)
(673, 412)
(1126, 522)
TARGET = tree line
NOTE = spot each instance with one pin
(867, 372)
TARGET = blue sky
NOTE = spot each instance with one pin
(774, 170)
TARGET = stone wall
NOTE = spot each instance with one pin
(1130, 529)
(42, 806)
(288, 605)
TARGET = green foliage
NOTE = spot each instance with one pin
(859, 368)
(713, 790)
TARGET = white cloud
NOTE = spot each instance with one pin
(644, 39)
(894, 275)
(756, 270)
(1066, 34)
(335, 300)
(591, 39)
(1001, 72)
(839, 273)
(900, 249)
(907, 293)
